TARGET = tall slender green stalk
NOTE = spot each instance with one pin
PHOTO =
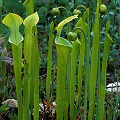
(36, 79)
(49, 66)
(94, 64)
(86, 27)
(87, 61)
(81, 70)
(74, 58)
(98, 88)
(81, 60)
(104, 67)
(25, 93)
(63, 51)
(13, 21)
(17, 55)
(29, 52)
(29, 4)
(99, 71)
